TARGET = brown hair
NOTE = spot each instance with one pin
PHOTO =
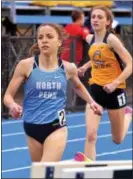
(109, 16)
(61, 35)
(76, 15)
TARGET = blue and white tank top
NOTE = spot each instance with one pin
(44, 94)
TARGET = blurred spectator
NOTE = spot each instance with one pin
(10, 28)
(78, 32)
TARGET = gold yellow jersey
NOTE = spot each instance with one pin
(106, 64)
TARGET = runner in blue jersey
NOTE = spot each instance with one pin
(45, 80)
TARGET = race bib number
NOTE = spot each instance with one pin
(121, 99)
(62, 117)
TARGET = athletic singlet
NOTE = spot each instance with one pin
(44, 94)
(106, 64)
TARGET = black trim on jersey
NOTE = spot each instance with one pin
(106, 36)
(36, 62)
(34, 66)
(92, 40)
(104, 39)
(116, 55)
(61, 64)
(119, 60)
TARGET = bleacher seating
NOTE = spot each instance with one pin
(108, 3)
(64, 7)
(53, 7)
(35, 19)
(36, 12)
(124, 4)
